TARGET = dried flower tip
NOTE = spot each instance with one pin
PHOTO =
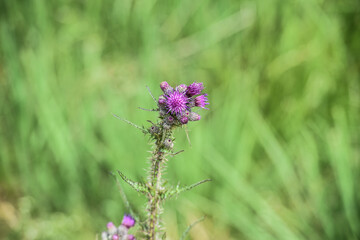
(181, 88)
(201, 101)
(194, 116)
(115, 237)
(128, 221)
(168, 143)
(167, 89)
(194, 89)
(176, 102)
(184, 120)
(131, 237)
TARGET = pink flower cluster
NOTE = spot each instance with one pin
(121, 232)
(176, 104)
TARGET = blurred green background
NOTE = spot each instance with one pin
(281, 140)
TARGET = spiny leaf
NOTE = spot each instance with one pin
(140, 187)
(179, 189)
(183, 236)
(126, 202)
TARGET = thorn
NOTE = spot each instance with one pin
(187, 135)
(179, 190)
(173, 154)
(147, 87)
(150, 110)
(132, 124)
(183, 236)
(139, 187)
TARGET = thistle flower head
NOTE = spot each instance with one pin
(201, 101)
(175, 106)
(194, 89)
(176, 102)
(128, 221)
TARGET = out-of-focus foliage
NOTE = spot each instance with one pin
(281, 140)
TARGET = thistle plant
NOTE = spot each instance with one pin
(176, 107)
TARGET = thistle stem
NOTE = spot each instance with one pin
(155, 184)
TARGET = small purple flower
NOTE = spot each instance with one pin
(201, 101)
(194, 89)
(131, 237)
(128, 221)
(176, 102)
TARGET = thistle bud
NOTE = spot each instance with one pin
(168, 143)
(194, 116)
(153, 130)
(181, 88)
(184, 120)
(162, 100)
(166, 87)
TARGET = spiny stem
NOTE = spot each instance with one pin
(155, 183)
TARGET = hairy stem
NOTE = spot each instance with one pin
(155, 184)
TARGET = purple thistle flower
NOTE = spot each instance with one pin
(131, 237)
(128, 221)
(201, 101)
(194, 89)
(176, 102)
